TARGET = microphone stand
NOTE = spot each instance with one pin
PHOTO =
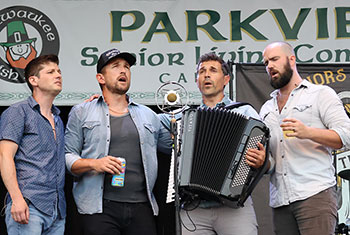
(230, 64)
(176, 95)
(174, 133)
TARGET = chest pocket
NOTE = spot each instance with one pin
(303, 112)
(150, 133)
(91, 130)
(37, 134)
(31, 127)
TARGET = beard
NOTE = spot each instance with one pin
(117, 89)
(284, 79)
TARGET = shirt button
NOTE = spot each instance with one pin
(285, 174)
(281, 141)
(107, 126)
(282, 156)
(107, 140)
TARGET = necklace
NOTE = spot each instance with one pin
(125, 111)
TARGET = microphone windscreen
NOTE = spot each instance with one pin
(172, 97)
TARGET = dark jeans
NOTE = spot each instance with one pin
(316, 215)
(120, 218)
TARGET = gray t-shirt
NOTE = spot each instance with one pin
(125, 142)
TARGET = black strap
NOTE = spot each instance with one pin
(236, 105)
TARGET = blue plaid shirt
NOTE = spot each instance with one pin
(39, 160)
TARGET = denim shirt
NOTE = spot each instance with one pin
(302, 168)
(246, 110)
(88, 136)
(39, 160)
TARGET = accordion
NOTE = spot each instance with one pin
(212, 155)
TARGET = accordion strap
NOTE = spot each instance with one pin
(236, 105)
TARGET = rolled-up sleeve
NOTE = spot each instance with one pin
(73, 138)
(333, 115)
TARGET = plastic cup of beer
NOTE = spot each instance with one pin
(287, 132)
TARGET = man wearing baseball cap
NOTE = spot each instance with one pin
(115, 198)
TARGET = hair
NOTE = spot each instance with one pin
(213, 57)
(34, 67)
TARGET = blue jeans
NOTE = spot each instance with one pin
(39, 223)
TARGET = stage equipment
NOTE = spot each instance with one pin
(172, 98)
(343, 166)
(212, 159)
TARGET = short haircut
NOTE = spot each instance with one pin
(213, 57)
(34, 67)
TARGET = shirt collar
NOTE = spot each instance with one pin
(32, 102)
(128, 98)
(225, 101)
(34, 105)
(304, 84)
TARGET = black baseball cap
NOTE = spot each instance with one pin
(106, 56)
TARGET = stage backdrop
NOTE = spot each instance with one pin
(166, 36)
(253, 86)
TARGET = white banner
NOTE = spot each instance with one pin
(167, 38)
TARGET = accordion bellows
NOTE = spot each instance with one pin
(212, 155)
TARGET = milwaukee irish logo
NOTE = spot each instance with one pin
(25, 33)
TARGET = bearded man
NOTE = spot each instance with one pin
(306, 122)
(102, 132)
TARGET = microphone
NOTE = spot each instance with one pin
(172, 97)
